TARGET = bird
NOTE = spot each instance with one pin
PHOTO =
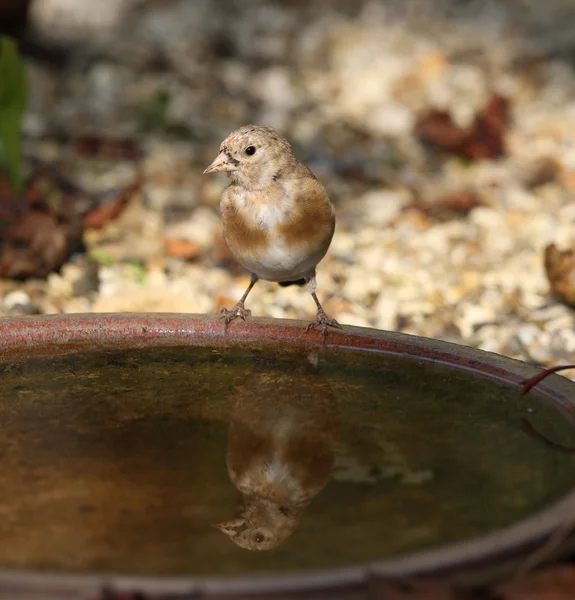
(280, 454)
(278, 221)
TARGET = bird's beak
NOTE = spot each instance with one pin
(222, 163)
(231, 527)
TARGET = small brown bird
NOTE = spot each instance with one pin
(278, 220)
(280, 454)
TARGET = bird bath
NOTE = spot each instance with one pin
(142, 447)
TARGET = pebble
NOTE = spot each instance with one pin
(383, 206)
(201, 228)
(393, 119)
(15, 300)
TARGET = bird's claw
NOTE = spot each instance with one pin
(322, 321)
(237, 312)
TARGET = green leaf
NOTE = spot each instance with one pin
(102, 258)
(13, 100)
(139, 268)
(154, 114)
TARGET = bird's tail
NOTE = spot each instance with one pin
(296, 282)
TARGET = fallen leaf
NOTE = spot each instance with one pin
(530, 383)
(436, 127)
(35, 239)
(41, 227)
(445, 208)
(107, 148)
(180, 248)
(35, 245)
(560, 270)
(485, 138)
(99, 216)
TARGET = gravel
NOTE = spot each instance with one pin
(347, 86)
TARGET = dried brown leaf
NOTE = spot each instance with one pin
(101, 215)
(560, 270)
(530, 383)
(446, 208)
(35, 238)
(35, 245)
(40, 229)
(107, 148)
(436, 127)
(485, 138)
(180, 248)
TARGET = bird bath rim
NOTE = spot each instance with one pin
(478, 559)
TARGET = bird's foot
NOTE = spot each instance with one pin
(237, 312)
(322, 321)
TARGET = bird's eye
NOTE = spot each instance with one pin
(250, 150)
(259, 538)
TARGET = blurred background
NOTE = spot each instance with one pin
(444, 131)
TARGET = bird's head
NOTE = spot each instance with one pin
(248, 536)
(253, 156)
(261, 525)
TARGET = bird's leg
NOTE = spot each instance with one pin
(239, 310)
(322, 320)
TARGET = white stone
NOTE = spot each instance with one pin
(15, 299)
(390, 119)
(382, 206)
(470, 316)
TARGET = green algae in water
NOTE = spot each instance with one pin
(117, 461)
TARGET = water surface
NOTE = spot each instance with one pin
(118, 461)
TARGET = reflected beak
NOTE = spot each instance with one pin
(222, 163)
(232, 527)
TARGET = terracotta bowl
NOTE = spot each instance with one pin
(476, 560)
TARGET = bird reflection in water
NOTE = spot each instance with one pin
(281, 437)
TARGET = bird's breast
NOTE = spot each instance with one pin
(276, 240)
(273, 479)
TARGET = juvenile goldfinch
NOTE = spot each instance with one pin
(277, 218)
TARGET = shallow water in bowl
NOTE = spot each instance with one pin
(124, 461)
